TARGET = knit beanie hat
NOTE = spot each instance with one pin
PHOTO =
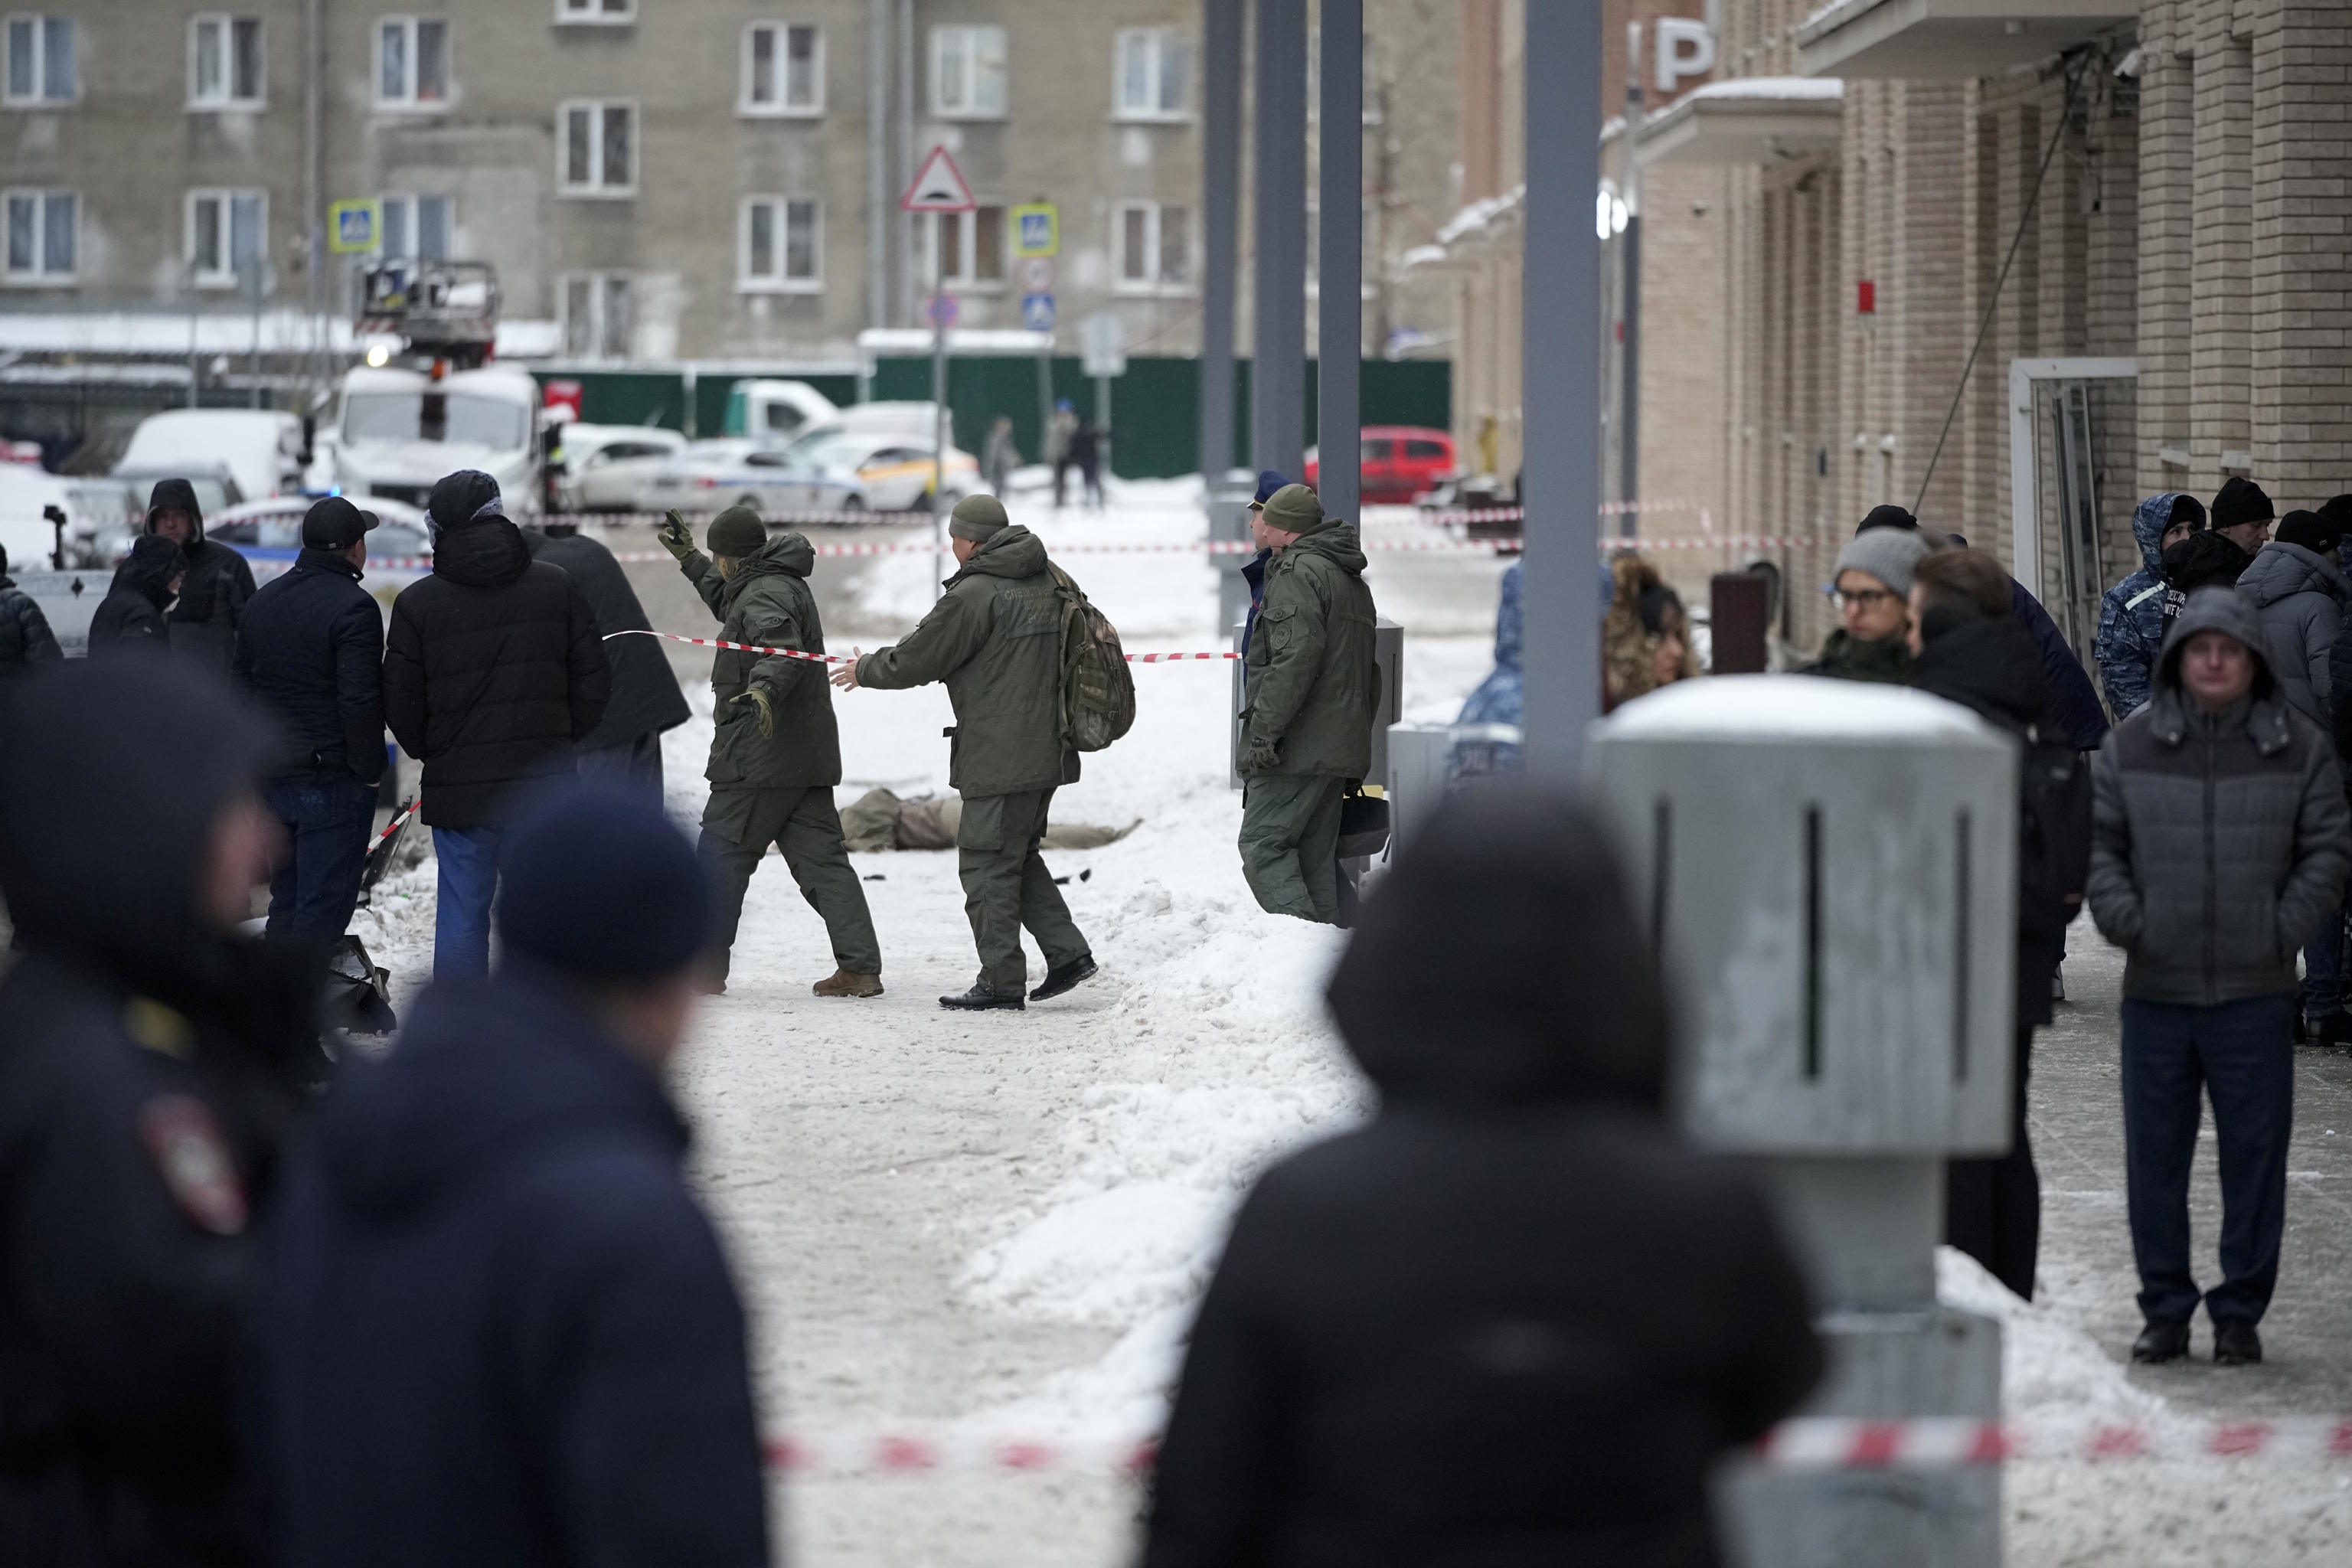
(977, 517)
(2185, 509)
(2241, 500)
(2340, 509)
(1888, 516)
(1886, 553)
(2315, 531)
(597, 884)
(736, 533)
(1293, 509)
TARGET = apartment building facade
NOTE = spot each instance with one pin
(661, 180)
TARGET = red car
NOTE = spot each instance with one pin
(1401, 461)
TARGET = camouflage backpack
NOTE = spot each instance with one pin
(1098, 689)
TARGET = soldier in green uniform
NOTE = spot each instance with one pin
(1310, 689)
(995, 638)
(776, 755)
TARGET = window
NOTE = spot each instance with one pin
(41, 61)
(411, 62)
(782, 242)
(228, 238)
(1154, 244)
(598, 156)
(967, 72)
(225, 62)
(606, 12)
(783, 69)
(972, 247)
(417, 227)
(596, 315)
(1151, 67)
(1427, 451)
(43, 237)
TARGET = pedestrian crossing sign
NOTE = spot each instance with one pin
(353, 227)
(1036, 229)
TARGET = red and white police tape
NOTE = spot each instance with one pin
(837, 658)
(1809, 1443)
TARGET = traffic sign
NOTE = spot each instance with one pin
(941, 310)
(354, 227)
(1036, 229)
(938, 186)
(1037, 313)
(1103, 340)
(1037, 275)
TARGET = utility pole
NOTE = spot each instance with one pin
(1220, 137)
(1279, 370)
(1340, 292)
(1629, 296)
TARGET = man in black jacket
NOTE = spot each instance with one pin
(24, 636)
(625, 745)
(311, 652)
(150, 1063)
(1514, 1319)
(219, 581)
(493, 674)
(499, 1329)
(131, 618)
(1967, 647)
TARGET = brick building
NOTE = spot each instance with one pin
(2174, 179)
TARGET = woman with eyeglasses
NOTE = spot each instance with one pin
(1871, 587)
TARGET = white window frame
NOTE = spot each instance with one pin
(782, 107)
(407, 100)
(224, 276)
(40, 97)
(597, 189)
(969, 35)
(226, 100)
(965, 278)
(593, 14)
(1157, 283)
(1157, 40)
(414, 202)
(599, 326)
(39, 276)
(778, 282)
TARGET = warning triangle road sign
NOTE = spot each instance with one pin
(938, 186)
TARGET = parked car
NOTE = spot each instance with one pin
(606, 466)
(1400, 462)
(261, 448)
(768, 410)
(825, 470)
(268, 533)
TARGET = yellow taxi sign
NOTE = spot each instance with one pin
(1036, 229)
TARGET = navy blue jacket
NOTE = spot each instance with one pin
(311, 650)
(2075, 708)
(498, 1329)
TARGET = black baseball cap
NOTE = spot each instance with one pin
(335, 523)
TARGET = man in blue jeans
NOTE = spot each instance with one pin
(310, 650)
(2220, 841)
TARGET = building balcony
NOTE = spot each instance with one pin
(1948, 39)
(1746, 120)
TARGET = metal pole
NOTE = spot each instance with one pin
(1102, 425)
(877, 162)
(939, 409)
(1561, 386)
(1340, 304)
(1221, 135)
(314, 254)
(1629, 297)
(1279, 370)
(907, 155)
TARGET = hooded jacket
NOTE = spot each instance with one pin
(2219, 842)
(491, 1278)
(149, 1065)
(645, 696)
(995, 638)
(1633, 627)
(2131, 615)
(1513, 1319)
(493, 670)
(767, 603)
(2299, 596)
(219, 581)
(1499, 697)
(311, 652)
(1312, 680)
(24, 636)
(2073, 711)
(130, 616)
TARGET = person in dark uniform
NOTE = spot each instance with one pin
(150, 1063)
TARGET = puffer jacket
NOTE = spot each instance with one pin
(2131, 615)
(1313, 681)
(24, 636)
(2219, 842)
(767, 602)
(646, 695)
(2299, 596)
(1501, 697)
(995, 640)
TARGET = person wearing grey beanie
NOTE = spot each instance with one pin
(1872, 585)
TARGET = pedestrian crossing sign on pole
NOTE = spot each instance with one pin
(938, 186)
(1036, 229)
(353, 227)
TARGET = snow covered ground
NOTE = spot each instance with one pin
(1002, 1222)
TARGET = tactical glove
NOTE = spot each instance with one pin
(765, 707)
(675, 537)
(1260, 757)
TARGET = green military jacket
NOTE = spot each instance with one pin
(995, 638)
(768, 602)
(1845, 656)
(1311, 681)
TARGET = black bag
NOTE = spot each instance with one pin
(1363, 825)
(359, 995)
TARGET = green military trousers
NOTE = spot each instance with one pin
(739, 824)
(1290, 843)
(1007, 887)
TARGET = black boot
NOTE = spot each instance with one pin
(1065, 977)
(2163, 1339)
(983, 997)
(2235, 1342)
